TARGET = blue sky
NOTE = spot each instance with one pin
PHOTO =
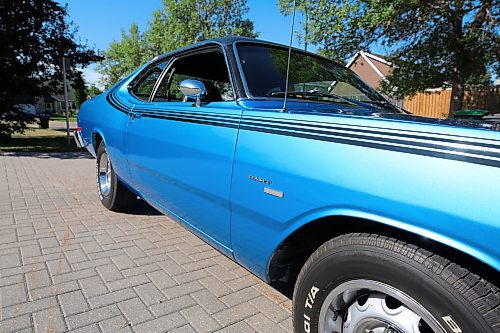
(100, 22)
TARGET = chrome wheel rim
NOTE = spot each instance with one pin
(104, 174)
(367, 306)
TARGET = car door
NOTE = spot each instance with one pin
(180, 154)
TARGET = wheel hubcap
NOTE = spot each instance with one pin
(365, 306)
(104, 175)
(371, 314)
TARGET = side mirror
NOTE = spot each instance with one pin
(193, 89)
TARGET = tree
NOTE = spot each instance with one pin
(122, 57)
(183, 22)
(80, 90)
(178, 23)
(446, 43)
(34, 35)
(92, 91)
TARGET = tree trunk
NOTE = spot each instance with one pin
(457, 97)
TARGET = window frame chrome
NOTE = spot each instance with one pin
(186, 53)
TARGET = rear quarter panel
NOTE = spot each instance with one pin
(98, 117)
(452, 202)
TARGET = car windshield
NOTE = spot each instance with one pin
(311, 77)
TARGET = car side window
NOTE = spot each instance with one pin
(208, 66)
(143, 87)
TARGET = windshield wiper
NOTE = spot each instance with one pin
(314, 93)
(365, 104)
(388, 104)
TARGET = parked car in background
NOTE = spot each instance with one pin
(378, 221)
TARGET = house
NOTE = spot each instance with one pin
(433, 102)
(56, 104)
(53, 103)
(371, 68)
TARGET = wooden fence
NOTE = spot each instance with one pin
(436, 103)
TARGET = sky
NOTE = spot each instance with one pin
(100, 22)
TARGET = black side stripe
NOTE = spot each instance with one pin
(375, 128)
(264, 122)
(316, 124)
(321, 133)
(188, 116)
(116, 103)
(194, 121)
(203, 113)
(437, 144)
(416, 151)
(234, 124)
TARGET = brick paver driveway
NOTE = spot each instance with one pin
(68, 264)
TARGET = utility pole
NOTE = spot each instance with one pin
(65, 61)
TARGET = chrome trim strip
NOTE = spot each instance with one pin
(240, 69)
(160, 79)
(78, 139)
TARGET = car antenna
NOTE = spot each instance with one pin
(289, 56)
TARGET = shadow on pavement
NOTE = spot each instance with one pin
(142, 208)
(46, 155)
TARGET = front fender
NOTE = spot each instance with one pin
(337, 213)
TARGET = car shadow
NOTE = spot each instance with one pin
(142, 208)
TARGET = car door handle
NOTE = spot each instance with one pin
(135, 115)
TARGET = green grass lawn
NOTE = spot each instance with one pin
(39, 140)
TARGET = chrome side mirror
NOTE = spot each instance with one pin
(193, 89)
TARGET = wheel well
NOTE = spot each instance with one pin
(96, 140)
(293, 252)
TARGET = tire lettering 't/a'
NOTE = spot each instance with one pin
(309, 303)
(311, 296)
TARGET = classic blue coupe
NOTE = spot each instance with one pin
(378, 221)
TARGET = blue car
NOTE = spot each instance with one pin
(374, 220)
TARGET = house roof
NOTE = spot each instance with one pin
(369, 57)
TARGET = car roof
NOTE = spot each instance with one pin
(225, 41)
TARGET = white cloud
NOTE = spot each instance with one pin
(91, 76)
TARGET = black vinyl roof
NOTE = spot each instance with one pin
(226, 41)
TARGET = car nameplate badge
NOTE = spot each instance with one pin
(260, 180)
(274, 192)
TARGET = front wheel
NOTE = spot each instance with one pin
(113, 194)
(360, 283)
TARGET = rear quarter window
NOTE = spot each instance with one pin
(143, 87)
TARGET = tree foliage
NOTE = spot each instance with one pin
(34, 35)
(123, 56)
(184, 22)
(92, 91)
(80, 90)
(178, 23)
(446, 43)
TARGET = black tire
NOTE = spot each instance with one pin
(117, 197)
(450, 293)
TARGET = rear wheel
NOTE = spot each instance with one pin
(360, 283)
(113, 194)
